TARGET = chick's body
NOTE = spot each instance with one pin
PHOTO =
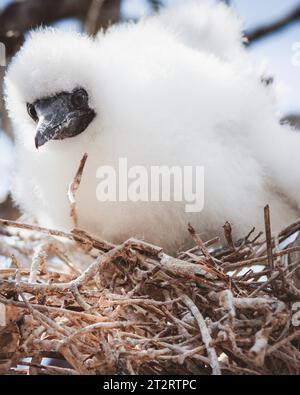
(159, 99)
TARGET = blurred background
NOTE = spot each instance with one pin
(272, 28)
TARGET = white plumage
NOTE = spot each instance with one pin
(175, 89)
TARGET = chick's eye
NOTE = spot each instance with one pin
(79, 98)
(32, 112)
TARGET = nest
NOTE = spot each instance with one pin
(73, 304)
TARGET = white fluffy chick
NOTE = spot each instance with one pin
(176, 89)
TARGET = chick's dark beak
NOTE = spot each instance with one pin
(62, 116)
